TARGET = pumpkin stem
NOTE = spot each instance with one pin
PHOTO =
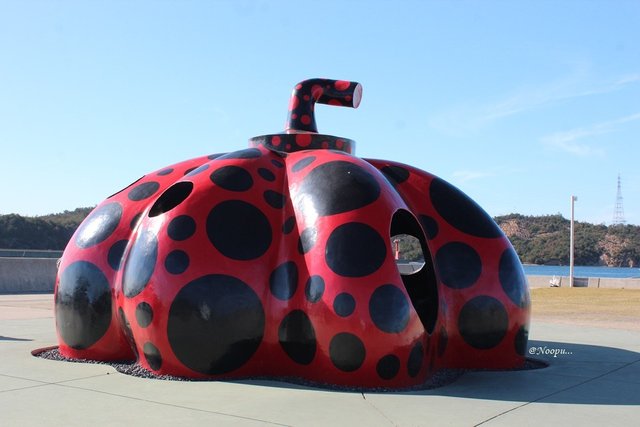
(305, 94)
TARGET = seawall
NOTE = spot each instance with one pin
(584, 282)
(27, 275)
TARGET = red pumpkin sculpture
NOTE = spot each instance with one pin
(276, 261)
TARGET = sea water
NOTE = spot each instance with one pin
(581, 271)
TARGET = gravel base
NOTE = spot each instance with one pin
(438, 379)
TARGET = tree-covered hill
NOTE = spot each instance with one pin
(545, 240)
(50, 232)
(537, 239)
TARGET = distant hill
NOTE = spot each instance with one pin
(537, 239)
(51, 232)
(545, 240)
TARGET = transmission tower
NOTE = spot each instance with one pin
(618, 212)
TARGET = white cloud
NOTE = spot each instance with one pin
(567, 140)
(471, 117)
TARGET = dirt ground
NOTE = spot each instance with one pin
(605, 308)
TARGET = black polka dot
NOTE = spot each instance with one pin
(140, 264)
(135, 220)
(355, 249)
(181, 227)
(127, 187)
(82, 305)
(521, 340)
(216, 324)
(314, 288)
(198, 170)
(460, 211)
(395, 174)
(297, 337)
(248, 153)
(483, 322)
(188, 171)
(288, 225)
(307, 240)
(301, 164)
(266, 174)
(416, 357)
(347, 352)
(114, 257)
(171, 198)
(126, 326)
(144, 314)
(512, 278)
(277, 163)
(389, 309)
(336, 187)
(283, 281)
(99, 225)
(232, 178)
(143, 191)
(239, 230)
(274, 199)
(344, 304)
(176, 262)
(429, 225)
(458, 265)
(388, 367)
(165, 172)
(443, 340)
(152, 356)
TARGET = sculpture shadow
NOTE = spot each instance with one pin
(3, 338)
(575, 374)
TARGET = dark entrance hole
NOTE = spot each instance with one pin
(415, 266)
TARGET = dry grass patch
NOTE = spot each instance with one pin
(609, 308)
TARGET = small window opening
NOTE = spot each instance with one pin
(171, 198)
(407, 251)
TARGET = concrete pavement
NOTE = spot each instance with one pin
(593, 378)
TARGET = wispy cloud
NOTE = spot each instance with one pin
(625, 80)
(568, 140)
(468, 175)
(474, 116)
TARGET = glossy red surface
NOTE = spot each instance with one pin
(279, 263)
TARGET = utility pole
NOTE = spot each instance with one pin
(573, 200)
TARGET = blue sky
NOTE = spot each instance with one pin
(519, 104)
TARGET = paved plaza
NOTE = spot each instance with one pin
(593, 378)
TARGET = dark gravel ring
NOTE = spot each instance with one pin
(440, 378)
